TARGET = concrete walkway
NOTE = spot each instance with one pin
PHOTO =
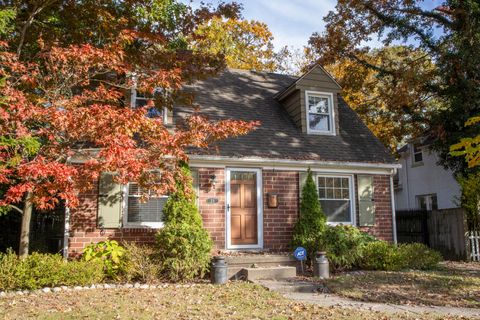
(311, 293)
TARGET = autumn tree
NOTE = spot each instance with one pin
(395, 106)
(67, 70)
(449, 35)
(245, 44)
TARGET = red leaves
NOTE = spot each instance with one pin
(74, 100)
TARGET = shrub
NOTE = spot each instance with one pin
(110, 253)
(184, 251)
(419, 256)
(45, 270)
(183, 244)
(381, 255)
(344, 245)
(312, 221)
(142, 264)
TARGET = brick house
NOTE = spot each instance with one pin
(249, 187)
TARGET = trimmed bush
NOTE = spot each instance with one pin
(381, 255)
(311, 224)
(419, 256)
(183, 244)
(45, 270)
(142, 265)
(344, 245)
(110, 254)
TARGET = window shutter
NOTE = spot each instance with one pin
(366, 204)
(302, 179)
(109, 202)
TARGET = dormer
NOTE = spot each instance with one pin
(312, 102)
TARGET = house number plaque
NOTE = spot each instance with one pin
(212, 200)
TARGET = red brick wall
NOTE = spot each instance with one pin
(213, 214)
(383, 228)
(83, 226)
(278, 223)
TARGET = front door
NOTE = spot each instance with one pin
(243, 208)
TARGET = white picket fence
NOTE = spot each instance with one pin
(473, 244)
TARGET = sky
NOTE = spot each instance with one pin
(292, 22)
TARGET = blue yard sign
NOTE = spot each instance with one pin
(300, 254)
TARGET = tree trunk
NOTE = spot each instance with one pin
(25, 231)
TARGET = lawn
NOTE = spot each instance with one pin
(453, 284)
(238, 300)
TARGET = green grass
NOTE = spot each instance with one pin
(453, 284)
(237, 300)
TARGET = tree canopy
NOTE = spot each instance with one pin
(244, 44)
(65, 115)
(448, 35)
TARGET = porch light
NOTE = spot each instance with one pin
(272, 200)
(213, 180)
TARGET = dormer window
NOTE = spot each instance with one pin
(417, 154)
(140, 99)
(320, 112)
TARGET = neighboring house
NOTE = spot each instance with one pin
(422, 182)
(249, 187)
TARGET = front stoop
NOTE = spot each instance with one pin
(238, 265)
(269, 273)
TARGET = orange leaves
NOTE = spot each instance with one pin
(74, 100)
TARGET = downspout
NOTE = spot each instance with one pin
(66, 232)
(394, 222)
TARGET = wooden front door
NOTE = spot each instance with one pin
(243, 208)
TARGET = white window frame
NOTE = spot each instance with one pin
(127, 224)
(331, 107)
(414, 162)
(133, 99)
(351, 190)
(428, 200)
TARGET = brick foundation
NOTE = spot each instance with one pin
(277, 223)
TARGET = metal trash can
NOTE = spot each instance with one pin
(219, 274)
(321, 268)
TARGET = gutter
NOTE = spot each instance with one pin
(394, 219)
(277, 161)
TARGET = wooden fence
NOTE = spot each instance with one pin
(442, 230)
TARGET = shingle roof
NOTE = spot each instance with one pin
(249, 95)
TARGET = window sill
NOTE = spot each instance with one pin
(321, 133)
(145, 225)
(340, 223)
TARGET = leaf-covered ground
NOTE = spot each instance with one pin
(237, 300)
(453, 284)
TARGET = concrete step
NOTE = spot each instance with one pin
(269, 273)
(237, 263)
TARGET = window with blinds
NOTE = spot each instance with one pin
(149, 213)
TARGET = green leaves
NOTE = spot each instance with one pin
(110, 253)
(469, 147)
(183, 244)
(312, 221)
